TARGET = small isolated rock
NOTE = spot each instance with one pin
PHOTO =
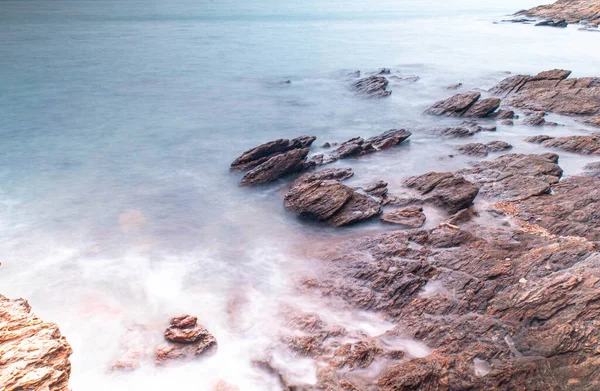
(186, 340)
(454, 86)
(537, 119)
(372, 86)
(412, 217)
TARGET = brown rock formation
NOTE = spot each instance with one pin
(573, 11)
(186, 340)
(586, 145)
(412, 217)
(444, 189)
(481, 150)
(372, 86)
(33, 353)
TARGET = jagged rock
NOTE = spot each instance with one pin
(515, 176)
(33, 353)
(553, 23)
(276, 167)
(376, 189)
(587, 145)
(465, 129)
(372, 86)
(412, 217)
(359, 354)
(444, 189)
(482, 108)
(384, 71)
(482, 150)
(503, 114)
(573, 11)
(551, 91)
(358, 146)
(323, 197)
(571, 209)
(454, 106)
(264, 152)
(186, 340)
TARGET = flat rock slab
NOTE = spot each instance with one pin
(515, 176)
(551, 91)
(412, 217)
(586, 145)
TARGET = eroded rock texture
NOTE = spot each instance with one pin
(33, 353)
(572, 11)
(185, 340)
(551, 91)
(586, 145)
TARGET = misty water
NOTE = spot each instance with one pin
(119, 121)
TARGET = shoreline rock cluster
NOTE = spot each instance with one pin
(563, 12)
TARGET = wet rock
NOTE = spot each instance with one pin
(376, 189)
(276, 167)
(264, 152)
(359, 354)
(33, 353)
(465, 129)
(587, 145)
(482, 150)
(571, 209)
(454, 106)
(306, 345)
(551, 91)
(553, 23)
(323, 197)
(593, 121)
(407, 79)
(537, 119)
(454, 86)
(372, 86)
(411, 217)
(507, 122)
(503, 114)
(592, 169)
(186, 340)
(482, 108)
(358, 146)
(573, 11)
(444, 189)
(515, 176)
(384, 71)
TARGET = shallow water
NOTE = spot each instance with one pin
(119, 121)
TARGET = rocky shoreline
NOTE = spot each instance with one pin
(504, 292)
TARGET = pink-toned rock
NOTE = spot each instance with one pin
(33, 353)
(186, 340)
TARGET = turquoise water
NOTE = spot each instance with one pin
(118, 122)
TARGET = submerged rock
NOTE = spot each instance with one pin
(465, 129)
(586, 145)
(372, 86)
(186, 340)
(33, 353)
(553, 23)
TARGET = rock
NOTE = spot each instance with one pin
(572, 11)
(276, 167)
(359, 207)
(465, 129)
(454, 106)
(482, 108)
(411, 216)
(593, 121)
(586, 145)
(454, 86)
(384, 71)
(358, 146)
(407, 79)
(503, 114)
(551, 91)
(507, 122)
(33, 353)
(592, 169)
(359, 354)
(537, 119)
(375, 189)
(553, 23)
(323, 197)
(372, 86)
(444, 189)
(264, 152)
(514, 176)
(482, 150)
(186, 340)
(326, 145)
